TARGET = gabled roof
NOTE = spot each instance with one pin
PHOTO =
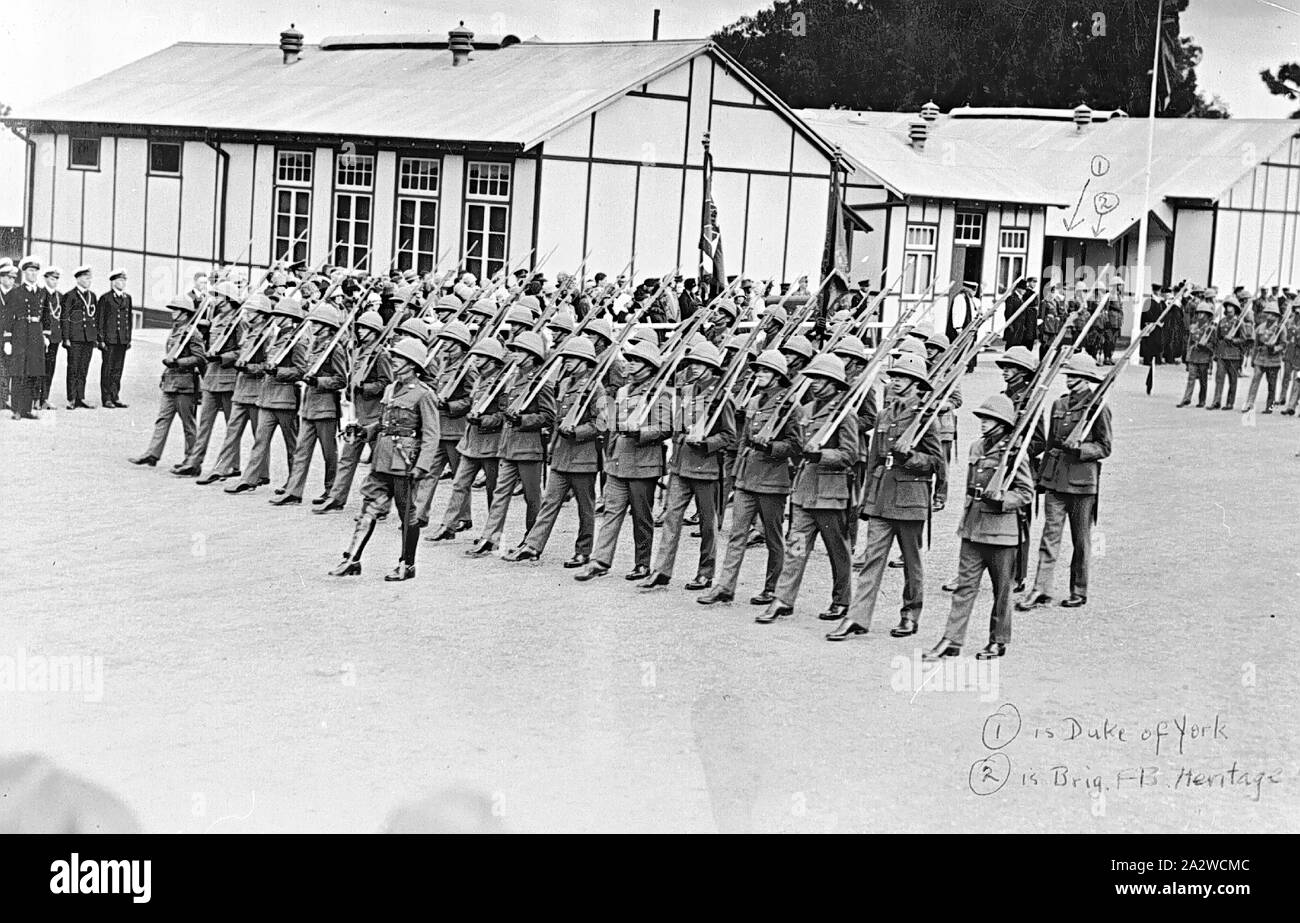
(513, 96)
(1025, 156)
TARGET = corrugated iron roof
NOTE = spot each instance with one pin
(518, 95)
(1050, 161)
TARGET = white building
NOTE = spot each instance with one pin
(359, 146)
(983, 195)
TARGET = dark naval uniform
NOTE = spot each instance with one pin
(21, 328)
(80, 334)
(114, 319)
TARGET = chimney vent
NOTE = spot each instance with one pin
(1082, 116)
(916, 135)
(461, 42)
(930, 111)
(291, 44)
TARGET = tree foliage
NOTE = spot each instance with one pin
(895, 55)
(1286, 82)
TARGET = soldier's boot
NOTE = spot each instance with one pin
(350, 566)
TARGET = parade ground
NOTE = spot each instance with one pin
(185, 649)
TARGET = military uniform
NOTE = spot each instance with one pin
(451, 420)
(218, 385)
(277, 407)
(366, 400)
(575, 459)
(479, 449)
(243, 405)
(1267, 357)
(114, 317)
(1289, 392)
(1200, 350)
(21, 326)
(819, 506)
(897, 508)
(762, 479)
(80, 334)
(1070, 480)
(522, 453)
(635, 463)
(180, 391)
(1228, 351)
(695, 472)
(990, 532)
(318, 412)
(52, 327)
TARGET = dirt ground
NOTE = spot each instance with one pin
(243, 690)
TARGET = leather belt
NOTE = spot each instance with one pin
(400, 433)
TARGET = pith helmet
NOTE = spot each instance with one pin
(646, 352)
(1082, 365)
(456, 332)
(910, 365)
(705, 353)
(776, 313)
(1271, 307)
(800, 345)
(485, 307)
(601, 327)
(909, 346)
(562, 321)
(643, 333)
(328, 315)
(1017, 357)
(829, 366)
(518, 314)
(371, 320)
(229, 290)
(259, 303)
(415, 327)
(772, 360)
(181, 303)
(850, 347)
(489, 348)
(412, 350)
(530, 341)
(530, 303)
(579, 347)
(998, 407)
(448, 303)
(288, 307)
(938, 341)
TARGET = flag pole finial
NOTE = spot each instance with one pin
(705, 140)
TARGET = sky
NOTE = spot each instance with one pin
(52, 45)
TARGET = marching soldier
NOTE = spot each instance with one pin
(450, 356)
(277, 398)
(576, 455)
(854, 353)
(898, 502)
(527, 419)
(635, 464)
(405, 439)
(989, 531)
(52, 324)
(935, 347)
(1290, 388)
(762, 480)
(1200, 350)
(80, 335)
(318, 362)
(1229, 341)
(1267, 354)
(248, 387)
(480, 446)
(1112, 324)
(798, 352)
(703, 432)
(1070, 478)
(115, 318)
(218, 383)
(371, 374)
(180, 382)
(21, 328)
(820, 494)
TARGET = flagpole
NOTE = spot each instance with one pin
(704, 213)
(1140, 287)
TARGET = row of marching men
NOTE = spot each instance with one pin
(802, 441)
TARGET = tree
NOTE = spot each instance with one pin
(1285, 83)
(898, 54)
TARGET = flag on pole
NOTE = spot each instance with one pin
(710, 235)
(835, 254)
(1167, 70)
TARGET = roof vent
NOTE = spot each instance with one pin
(930, 111)
(916, 134)
(1082, 116)
(461, 42)
(291, 44)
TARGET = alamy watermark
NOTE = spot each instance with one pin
(29, 672)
